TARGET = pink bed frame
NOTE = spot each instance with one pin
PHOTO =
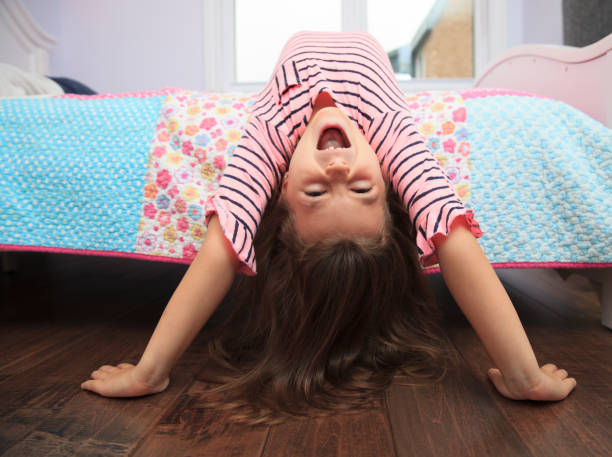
(581, 77)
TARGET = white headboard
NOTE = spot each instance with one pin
(22, 42)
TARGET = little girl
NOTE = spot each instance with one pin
(328, 157)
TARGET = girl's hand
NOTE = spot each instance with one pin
(552, 385)
(124, 380)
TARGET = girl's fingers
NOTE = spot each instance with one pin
(108, 368)
(94, 386)
(570, 384)
(561, 373)
(549, 368)
(125, 365)
(99, 374)
(567, 385)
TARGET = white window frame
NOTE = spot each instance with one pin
(490, 39)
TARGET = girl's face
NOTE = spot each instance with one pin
(334, 185)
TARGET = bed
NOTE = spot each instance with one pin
(127, 175)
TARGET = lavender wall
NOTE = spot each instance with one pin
(130, 45)
(542, 21)
(124, 45)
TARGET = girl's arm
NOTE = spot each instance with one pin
(204, 285)
(484, 301)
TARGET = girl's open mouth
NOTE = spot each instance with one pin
(333, 137)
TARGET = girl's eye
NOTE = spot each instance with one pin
(362, 190)
(315, 193)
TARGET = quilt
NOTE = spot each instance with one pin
(128, 175)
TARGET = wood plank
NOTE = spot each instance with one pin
(47, 387)
(56, 337)
(357, 434)
(15, 337)
(454, 417)
(33, 345)
(16, 424)
(190, 429)
(93, 425)
(65, 419)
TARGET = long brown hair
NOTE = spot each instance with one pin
(325, 327)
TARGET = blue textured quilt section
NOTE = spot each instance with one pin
(73, 170)
(541, 180)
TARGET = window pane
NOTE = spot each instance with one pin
(425, 38)
(264, 26)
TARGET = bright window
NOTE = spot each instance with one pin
(432, 44)
(425, 38)
(257, 48)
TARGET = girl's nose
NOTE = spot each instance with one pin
(337, 169)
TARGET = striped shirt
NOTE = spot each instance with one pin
(354, 69)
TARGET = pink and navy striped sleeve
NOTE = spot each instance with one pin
(416, 176)
(354, 69)
(249, 180)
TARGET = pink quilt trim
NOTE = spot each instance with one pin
(436, 269)
(160, 258)
(156, 258)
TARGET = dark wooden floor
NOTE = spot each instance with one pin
(62, 316)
